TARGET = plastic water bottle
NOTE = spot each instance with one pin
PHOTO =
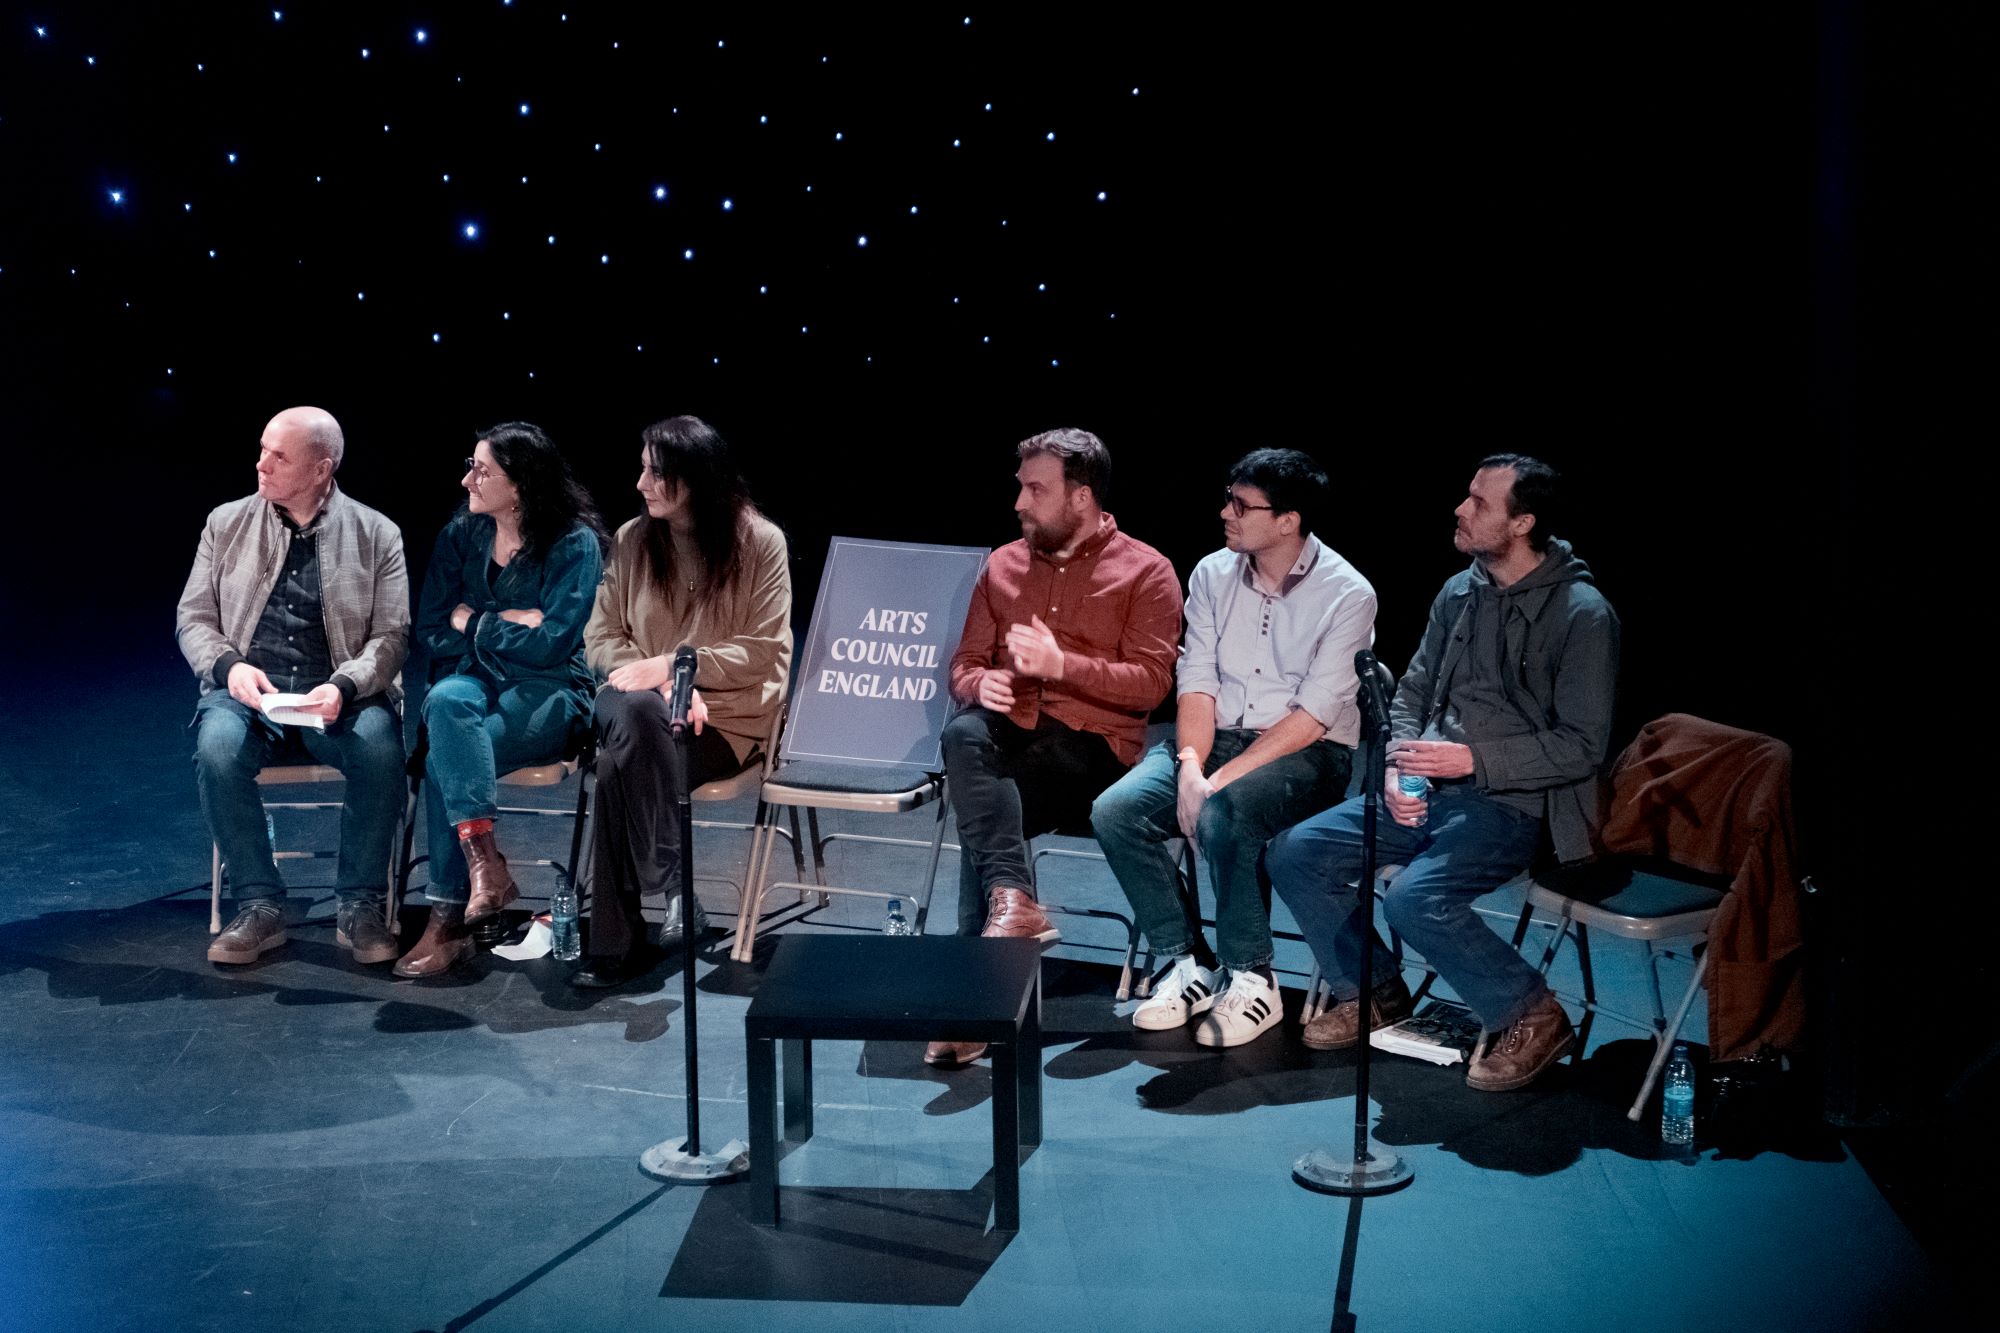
(565, 942)
(1415, 788)
(896, 923)
(1677, 1098)
(271, 830)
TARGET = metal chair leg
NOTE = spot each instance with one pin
(1666, 1040)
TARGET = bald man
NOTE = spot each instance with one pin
(298, 590)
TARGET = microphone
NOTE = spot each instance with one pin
(677, 706)
(1370, 673)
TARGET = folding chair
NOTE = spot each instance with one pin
(863, 751)
(293, 775)
(1662, 902)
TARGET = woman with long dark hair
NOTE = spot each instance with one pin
(701, 566)
(505, 601)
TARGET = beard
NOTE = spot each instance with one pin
(1051, 537)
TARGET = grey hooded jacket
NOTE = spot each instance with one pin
(1561, 675)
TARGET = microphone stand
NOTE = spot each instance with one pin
(1369, 1169)
(682, 1159)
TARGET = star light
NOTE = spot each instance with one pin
(524, 111)
(1100, 196)
(232, 158)
(763, 120)
(508, 315)
(211, 255)
(838, 136)
(989, 106)
(277, 16)
(862, 242)
(728, 205)
(118, 196)
(987, 338)
(40, 31)
(364, 53)
(361, 296)
(437, 337)
(954, 143)
(92, 60)
(1051, 136)
(552, 240)
(524, 180)
(187, 208)
(471, 230)
(604, 259)
(1041, 286)
(447, 176)
(422, 37)
(913, 210)
(762, 290)
(659, 192)
(687, 254)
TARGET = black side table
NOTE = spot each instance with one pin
(923, 988)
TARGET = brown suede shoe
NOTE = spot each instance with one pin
(1014, 914)
(1340, 1027)
(953, 1054)
(358, 925)
(257, 929)
(492, 887)
(1517, 1057)
(444, 945)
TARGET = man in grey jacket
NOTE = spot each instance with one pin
(298, 590)
(1506, 713)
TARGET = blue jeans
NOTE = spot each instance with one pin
(1135, 819)
(479, 729)
(1009, 783)
(366, 744)
(1470, 845)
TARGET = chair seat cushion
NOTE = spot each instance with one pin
(873, 779)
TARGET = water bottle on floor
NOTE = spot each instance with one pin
(1677, 1098)
(566, 943)
(896, 923)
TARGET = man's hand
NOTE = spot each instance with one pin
(326, 700)
(248, 686)
(461, 616)
(996, 690)
(1409, 811)
(648, 673)
(1431, 759)
(1034, 650)
(1195, 789)
(530, 617)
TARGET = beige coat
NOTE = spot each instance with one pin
(364, 589)
(742, 637)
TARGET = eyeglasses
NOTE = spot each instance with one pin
(481, 474)
(1236, 505)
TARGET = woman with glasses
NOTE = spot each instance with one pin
(504, 604)
(700, 567)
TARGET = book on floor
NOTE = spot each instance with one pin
(1440, 1032)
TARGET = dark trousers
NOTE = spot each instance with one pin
(1009, 783)
(636, 823)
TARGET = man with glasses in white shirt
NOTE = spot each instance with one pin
(1264, 737)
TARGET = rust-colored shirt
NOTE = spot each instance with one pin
(1115, 609)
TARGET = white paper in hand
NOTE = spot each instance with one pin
(290, 710)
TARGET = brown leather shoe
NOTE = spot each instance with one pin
(1517, 1057)
(953, 1054)
(258, 928)
(445, 943)
(1014, 914)
(358, 925)
(1340, 1027)
(492, 887)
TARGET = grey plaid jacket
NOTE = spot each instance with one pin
(364, 589)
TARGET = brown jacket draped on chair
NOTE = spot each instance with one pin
(1719, 801)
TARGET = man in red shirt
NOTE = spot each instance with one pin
(1069, 644)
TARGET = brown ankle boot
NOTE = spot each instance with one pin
(444, 944)
(492, 887)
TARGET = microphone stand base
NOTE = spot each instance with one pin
(1381, 1172)
(669, 1161)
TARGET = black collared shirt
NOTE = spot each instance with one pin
(290, 645)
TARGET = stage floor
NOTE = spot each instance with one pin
(305, 1143)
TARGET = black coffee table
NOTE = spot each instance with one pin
(874, 987)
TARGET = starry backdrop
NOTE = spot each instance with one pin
(878, 247)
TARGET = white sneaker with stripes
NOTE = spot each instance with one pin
(1184, 990)
(1250, 1007)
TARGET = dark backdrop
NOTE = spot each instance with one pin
(1605, 236)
